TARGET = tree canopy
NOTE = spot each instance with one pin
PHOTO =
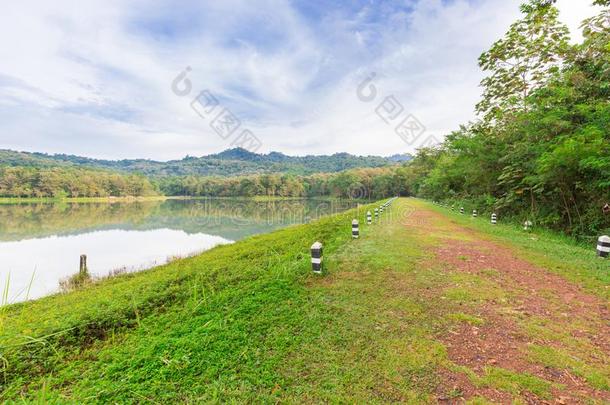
(541, 149)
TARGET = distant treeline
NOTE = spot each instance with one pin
(541, 149)
(61, 182)
(71, 182)
(356, 183)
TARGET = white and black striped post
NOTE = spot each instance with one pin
(474, 213)
(494, 218)
(369, 219)
(376, 213)
(462, 210)
(355, 231)
(316, 257)
(381, 210)
(603, 246)
(452, 207)
(527, 225)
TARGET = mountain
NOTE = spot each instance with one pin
(231, 162)
(404, 157)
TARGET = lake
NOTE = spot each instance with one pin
(41, 243)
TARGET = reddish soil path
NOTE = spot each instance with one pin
(502, 340)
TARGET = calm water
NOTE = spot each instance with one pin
(40, 243)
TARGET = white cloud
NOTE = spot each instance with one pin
(94, 78)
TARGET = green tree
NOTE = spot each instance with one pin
(529, 54)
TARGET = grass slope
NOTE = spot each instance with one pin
(250, 322)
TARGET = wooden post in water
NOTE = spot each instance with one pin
(83, 265)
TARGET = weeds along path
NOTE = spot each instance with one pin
(528, 333)
(425, 307)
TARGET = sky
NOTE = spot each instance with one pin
(161, 80)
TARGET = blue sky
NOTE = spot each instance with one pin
(95, 78)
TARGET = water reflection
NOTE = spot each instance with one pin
(46, 239)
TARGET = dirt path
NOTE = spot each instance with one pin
(544, 315)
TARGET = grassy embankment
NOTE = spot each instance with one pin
(250, 322)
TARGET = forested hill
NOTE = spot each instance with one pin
(230, 162)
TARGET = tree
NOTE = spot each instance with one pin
(529, 54)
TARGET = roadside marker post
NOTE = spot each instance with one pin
(474, 213)
(316, 257)
(462, 210)
(494, 218)
(355, 231)
(368, 218)
(527, 225)
(376, 213)
(603, 246)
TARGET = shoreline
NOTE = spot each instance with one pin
(17, 200)
(255, 312)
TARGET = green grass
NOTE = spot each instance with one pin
(560, 254)
(469, 319)
(564, 360)
(226, 298)
(249, 322)
(509, 381)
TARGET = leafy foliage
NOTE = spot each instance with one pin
(356, 184)
(523, 60)
(60, 182)
(545, 153)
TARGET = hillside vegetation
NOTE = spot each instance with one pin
(59, 182)
(231, 162)
(541, 149)
(362, 183)
(232, 173)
